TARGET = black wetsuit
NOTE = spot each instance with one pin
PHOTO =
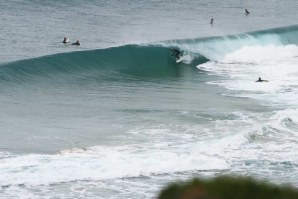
(65, 41)
(76, 43)
(176, 53)
(261, 80)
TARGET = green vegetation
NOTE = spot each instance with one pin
(226, 187)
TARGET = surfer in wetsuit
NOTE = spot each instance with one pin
(246, 12)
(211, 21)
(261, 80)
(77, 43)
(176, 53)
(65, 40)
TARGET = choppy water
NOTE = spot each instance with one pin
(119, 118)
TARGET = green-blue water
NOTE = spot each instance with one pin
(118, 117)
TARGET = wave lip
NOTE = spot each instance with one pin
(216, 48)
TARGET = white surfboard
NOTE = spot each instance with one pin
(179, 60)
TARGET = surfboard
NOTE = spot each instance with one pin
(179, 60)
(262, 81)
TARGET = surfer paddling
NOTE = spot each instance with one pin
(261, 80)
(77, 43)
(66, 41)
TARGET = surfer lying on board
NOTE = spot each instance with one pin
(77, 43)
(261, 80)
(176, 53)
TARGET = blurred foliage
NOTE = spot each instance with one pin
(227, 187)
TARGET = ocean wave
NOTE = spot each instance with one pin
(216, 48)
(136, 60)
(152, 60)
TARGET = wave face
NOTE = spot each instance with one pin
(146, 61)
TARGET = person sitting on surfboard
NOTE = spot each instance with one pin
(211, 21)
(261, 80)
(77, 43)
(65, 40)
(246, 12)
(176, 53)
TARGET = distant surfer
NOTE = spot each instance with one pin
(77, 43)
(65, 40)
(246, 12)
(261, 80)
(176, 53)
(211, 21)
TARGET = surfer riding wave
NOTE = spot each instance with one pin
(176, 53)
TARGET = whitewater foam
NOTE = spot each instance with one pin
(100, 163)
(274, 63)
(262, 54)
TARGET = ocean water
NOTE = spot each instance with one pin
(117, 117)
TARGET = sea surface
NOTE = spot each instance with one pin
(117, 117)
